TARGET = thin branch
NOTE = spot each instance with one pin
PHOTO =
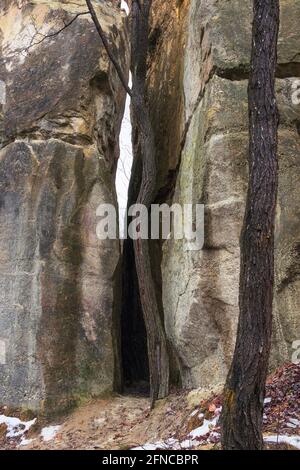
(66, 25)
(44, 36)
(107, 47)
(124, 170)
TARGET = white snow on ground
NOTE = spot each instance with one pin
(207, 428)
(25, 442)
(208, 432)
(149, 446)
(293, 423)
(16, 427)
(281, 439)
(49, 432)
(267, 400)
(169, 444)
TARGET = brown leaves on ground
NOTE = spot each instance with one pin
(123, 422)
(282, 407)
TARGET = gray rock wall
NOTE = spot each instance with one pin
(61, 105)
(60, 114)
(202, 50)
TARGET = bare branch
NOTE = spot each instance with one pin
(124, 169)
(107, 47)
(51, 35)
(43, 36)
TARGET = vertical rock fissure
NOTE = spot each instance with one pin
(135, 368)
(133, 331)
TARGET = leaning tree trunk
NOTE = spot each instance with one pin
(245, 387)
(156, 339)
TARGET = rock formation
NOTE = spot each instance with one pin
(61, 105)
(200, 52)
(60, 115)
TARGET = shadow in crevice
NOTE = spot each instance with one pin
(133, 331)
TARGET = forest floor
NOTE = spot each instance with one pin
(186, 420)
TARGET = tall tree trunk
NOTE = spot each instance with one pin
(245, 387)
(156, 339)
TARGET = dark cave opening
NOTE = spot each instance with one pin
(134, 351)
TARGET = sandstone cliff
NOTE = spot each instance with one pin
(200, 52)
(61, 105)
(60, 115)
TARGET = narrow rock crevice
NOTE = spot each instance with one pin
(133, 332)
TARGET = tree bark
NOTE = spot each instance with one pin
(156, 339)
(109, 52)
(242, 413)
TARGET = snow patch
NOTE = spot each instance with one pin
(16, 427)
(281, 439)
(205, 428)
(169, 444)
(149, 446)
(49, 432)
(295, 422)
(25, 442)
(207, 431)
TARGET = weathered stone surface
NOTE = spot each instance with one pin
(208, 164)
(167, 42)
(223, 30)
(61, 106)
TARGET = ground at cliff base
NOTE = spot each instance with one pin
(180, 422)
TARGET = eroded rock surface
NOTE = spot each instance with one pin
(61, 107)
(198, 97)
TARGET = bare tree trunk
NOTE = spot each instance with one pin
(156, 339)
(157, 344)
(245, 387)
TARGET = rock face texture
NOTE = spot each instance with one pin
(200, 52)
(61, 105)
